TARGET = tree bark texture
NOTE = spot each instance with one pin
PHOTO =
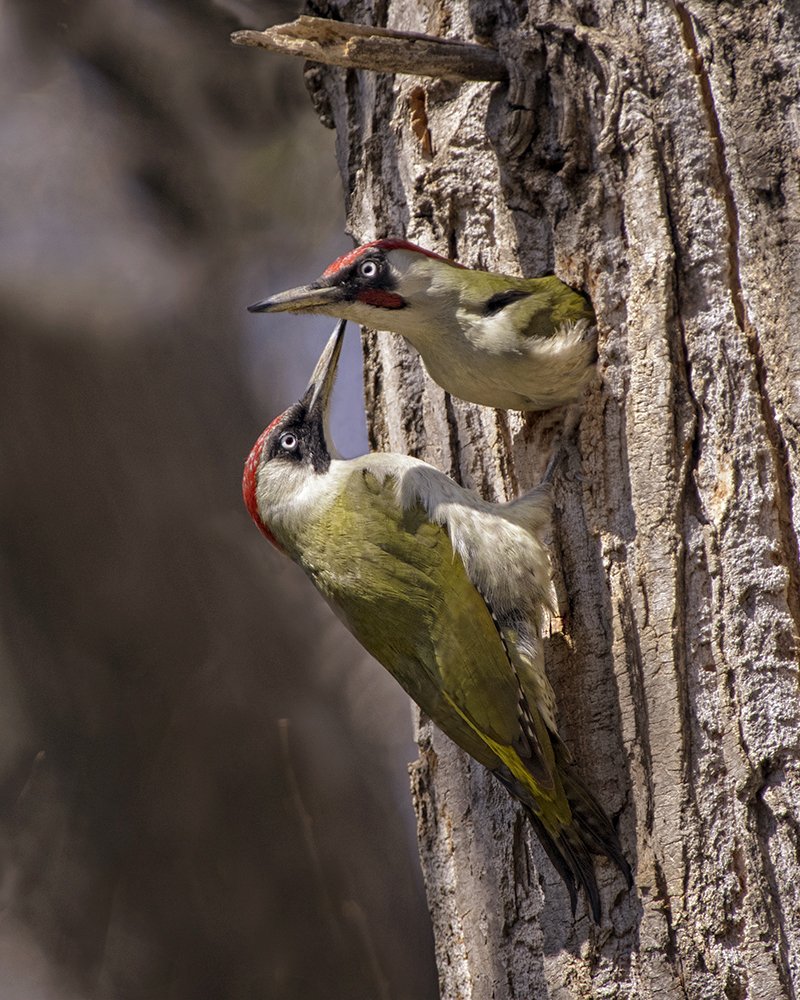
(648, 155)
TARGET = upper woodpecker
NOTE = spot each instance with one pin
(512, 343)
(449, 593)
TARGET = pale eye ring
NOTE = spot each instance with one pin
(288, 441)
(368, 269)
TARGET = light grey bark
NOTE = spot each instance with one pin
(662, 177)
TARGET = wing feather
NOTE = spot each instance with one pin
(403, 590)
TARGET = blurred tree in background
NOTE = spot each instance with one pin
(162, 836)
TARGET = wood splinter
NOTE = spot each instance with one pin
(383, 50)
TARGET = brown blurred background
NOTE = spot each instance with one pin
(163, 834)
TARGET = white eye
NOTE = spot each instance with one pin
(289, 441)
(368, 269)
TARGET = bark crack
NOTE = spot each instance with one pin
(780, 455)
(453, 440)
(635, 669)
(688, 433)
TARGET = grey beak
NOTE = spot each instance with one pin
(306, 298)
(320, 387)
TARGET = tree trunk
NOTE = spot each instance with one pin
(659, 173)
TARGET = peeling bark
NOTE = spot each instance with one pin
(660, 173)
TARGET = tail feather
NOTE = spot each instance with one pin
(572, 860)
(570, 849)
(597, 830)
(559, 861)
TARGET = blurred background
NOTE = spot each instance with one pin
(203, 778)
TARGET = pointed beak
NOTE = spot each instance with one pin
(320, 387)
(306, 298)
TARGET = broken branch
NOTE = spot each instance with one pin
(383, 50)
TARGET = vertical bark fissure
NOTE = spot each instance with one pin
(453, 439)
(636, 673)
(377, 431)
(780, 456)
(687, 437)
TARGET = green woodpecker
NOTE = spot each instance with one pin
(450, 593)
(512, 343)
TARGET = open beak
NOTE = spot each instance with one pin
(306, 298)
(320, 386)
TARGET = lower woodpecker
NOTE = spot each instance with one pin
(450, 593)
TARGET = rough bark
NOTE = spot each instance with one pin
(661, 175)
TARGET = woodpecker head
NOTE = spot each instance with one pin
(389, 285)
(295, 448)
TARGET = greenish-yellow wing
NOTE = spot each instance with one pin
(539, 306)
(549, 306)
(395, 580)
